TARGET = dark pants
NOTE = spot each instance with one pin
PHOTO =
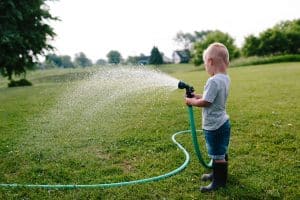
(217, 141)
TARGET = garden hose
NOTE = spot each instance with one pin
(139, 181)
(195, 141)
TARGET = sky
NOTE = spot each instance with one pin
(132, 27)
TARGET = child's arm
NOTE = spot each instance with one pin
(197, 102)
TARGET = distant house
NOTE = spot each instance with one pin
(181, 56)
(144, 60)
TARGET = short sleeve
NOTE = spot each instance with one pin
(210, 91)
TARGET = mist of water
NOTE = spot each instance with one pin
(99, 103)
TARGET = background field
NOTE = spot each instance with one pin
(132, 141)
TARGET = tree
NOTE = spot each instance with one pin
(53, 60)
(214, 36)
(101, 62)
(132, 59)
(136, 59)
(186, 40)
(114, 57)
(272, 42)
(250, 46)
(81, 60)
(155, 57)
(24, 34)
(200, 35)
(283, 38)
(292, 31)
(66, 62)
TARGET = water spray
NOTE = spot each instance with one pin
(190, 94)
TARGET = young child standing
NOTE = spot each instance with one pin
(215, 121)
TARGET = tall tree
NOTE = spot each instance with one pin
(81, 60)
(114, 57)
(24, 34)
(155, 57)
(214, 36)
(187, 40)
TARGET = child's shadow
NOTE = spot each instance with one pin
(237, 190)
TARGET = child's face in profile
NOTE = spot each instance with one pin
(208, 65)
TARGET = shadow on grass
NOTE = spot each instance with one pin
(236, 189)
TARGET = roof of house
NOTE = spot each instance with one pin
(183, 53)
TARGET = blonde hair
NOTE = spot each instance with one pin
(218, 52)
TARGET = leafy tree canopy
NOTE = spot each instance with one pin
(81, 60)
(211, 37)
(101, 61)
(186, 40)
(283, 38)
(155, 57)
(24, 34)
(58, 61)
(114, 57)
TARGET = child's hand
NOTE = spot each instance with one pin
(189, 101)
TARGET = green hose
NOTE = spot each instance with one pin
(151, 179)
(195, 141)
(106, 185)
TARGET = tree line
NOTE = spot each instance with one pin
(283, 38)
(25, 34)
(113, 57)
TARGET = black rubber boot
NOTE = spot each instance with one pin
(220, 171)
(226, 157)
(207, 177)
(210, 176)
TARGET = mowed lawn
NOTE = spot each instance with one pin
(132, 140)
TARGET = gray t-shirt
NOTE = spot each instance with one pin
(215, 91)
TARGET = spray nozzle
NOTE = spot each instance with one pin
(188, 89)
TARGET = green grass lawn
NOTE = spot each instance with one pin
(131, 139)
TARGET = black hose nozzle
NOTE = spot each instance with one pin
(189, 90)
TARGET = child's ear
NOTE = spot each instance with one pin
(210, 61)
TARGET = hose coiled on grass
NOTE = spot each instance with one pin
(139, 181)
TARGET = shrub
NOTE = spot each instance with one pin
(283, 38)
(256, 60)
(21, 82)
